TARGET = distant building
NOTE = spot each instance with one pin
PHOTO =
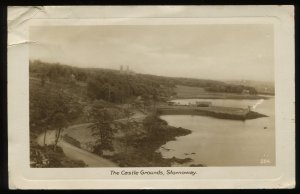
(127, 71)
(203, 104)
(170, 103)
(72, 77)
(249, 108)
(246, 91)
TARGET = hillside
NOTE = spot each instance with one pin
(262, 87)
(121, 87)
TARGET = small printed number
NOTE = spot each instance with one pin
(265, 161)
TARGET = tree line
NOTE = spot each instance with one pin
(227, 88)
(115, 87)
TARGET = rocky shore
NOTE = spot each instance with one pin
(142, 150)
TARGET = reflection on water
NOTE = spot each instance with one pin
(220, 142)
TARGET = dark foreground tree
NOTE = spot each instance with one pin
(102, 119)
(59, 123)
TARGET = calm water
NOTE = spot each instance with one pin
(220, 142)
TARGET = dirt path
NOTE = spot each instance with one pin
(75, 153)
(92, 160)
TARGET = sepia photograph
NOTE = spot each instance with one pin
(152, 96)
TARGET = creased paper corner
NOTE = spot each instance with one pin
(17, 17)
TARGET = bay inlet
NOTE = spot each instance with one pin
(222, 142)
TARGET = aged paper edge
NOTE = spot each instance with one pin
(23, 177)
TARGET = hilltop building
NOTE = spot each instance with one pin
(127, 71)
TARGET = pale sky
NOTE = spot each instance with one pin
(217, 52)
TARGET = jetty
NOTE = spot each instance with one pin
(212, 111)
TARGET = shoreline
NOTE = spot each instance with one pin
(238, 97)
(249, 116)
(214, 111)
(145, 148)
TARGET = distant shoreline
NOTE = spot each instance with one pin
(235, 97)
(192, 92)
